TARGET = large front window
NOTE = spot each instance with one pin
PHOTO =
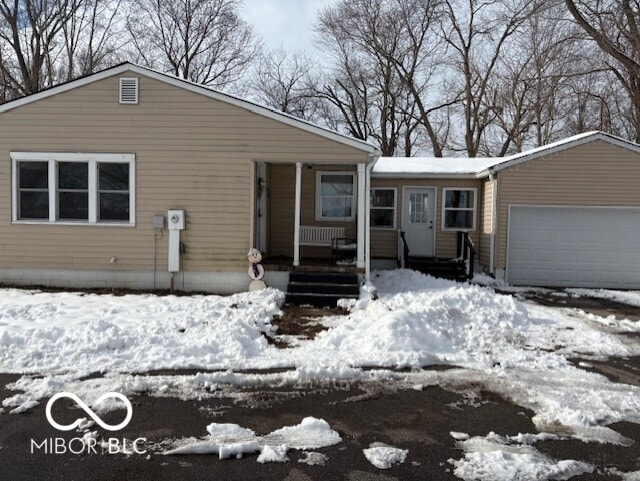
(335, 196)
(459, 209)
(73, 188)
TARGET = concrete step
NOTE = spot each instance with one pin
(316, 300)
(323, 277)
(323, 288)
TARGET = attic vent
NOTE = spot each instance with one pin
(128, 90)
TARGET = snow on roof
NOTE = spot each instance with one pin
(480, 166)
(434, 165)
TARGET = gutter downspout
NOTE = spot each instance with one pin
(494, 211)
(367, 220)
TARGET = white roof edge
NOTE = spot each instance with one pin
(200, 89)
(404, 175)
(559, 146)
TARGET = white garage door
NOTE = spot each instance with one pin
(574, 247)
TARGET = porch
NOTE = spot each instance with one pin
(312, 217)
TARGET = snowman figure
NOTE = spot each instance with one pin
(256, 271)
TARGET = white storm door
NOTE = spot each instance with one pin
(418, 220)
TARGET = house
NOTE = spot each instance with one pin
(565, 214)
(134, 178)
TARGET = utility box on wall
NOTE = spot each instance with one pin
(176, 223)
(176, 219)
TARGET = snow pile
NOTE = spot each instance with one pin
(229, 440)
(311, 433)
(419, 320)
(383, 456)
(60, 332)
(502, 458)
(273, 454)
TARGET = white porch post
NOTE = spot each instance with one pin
(296, 216)
(362, 214)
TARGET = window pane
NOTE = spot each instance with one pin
(382, 217)
(459, 199)
(418, 208)
(34, 205)
(382, 198)
(459, 219)
(114, 206)
(33, 175)
(336, 185)
(113, 176)
(336, 207)
(73, 205)
(73, 175)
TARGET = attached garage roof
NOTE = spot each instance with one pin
(200, 89)
(482, 166)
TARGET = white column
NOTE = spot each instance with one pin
(362, 214)
(296, 216)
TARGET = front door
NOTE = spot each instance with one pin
(418, 219)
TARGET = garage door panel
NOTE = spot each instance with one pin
(574, 246)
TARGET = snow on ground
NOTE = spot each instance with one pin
(500, 458)
(518, 349)
(231, 440)
(383, 456)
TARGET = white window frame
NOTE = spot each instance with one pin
(394, 208)
(445, 209)
(53, 158)
(319, 216)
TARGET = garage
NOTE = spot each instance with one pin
(574, 246)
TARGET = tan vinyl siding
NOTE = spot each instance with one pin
(486, 201)
(281, 210)
(192, 153)
(384, 243)
(595, 174)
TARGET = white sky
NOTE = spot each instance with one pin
(285, 23)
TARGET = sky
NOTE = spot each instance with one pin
(286, 23)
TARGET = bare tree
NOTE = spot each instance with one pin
(30, 29)
(381, 56)
(614, 25)
(477, 33)
(284, 80)
(204, 41)
(91, 37)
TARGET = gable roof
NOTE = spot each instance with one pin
(199, 89)
(465, 167)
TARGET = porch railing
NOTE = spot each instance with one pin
(467, 252)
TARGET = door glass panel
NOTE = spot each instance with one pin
(418, 208)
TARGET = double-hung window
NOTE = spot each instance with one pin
(383, 208)
(459, 209)
(335, 196)
(73, 188)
